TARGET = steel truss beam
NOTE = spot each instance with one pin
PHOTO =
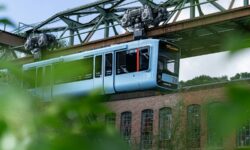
(110, 15)
(106, 16)
(171, 30)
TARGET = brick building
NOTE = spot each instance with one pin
(173, 121)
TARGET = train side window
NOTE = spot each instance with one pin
(144, 59)
(98, 66)
(48, 75)
(125, 62)
(73, 71)
(29, 77)
(4, 76)
(39, 77)
(108, 64)
(88, 67)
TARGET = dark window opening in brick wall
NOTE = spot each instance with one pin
(125, 126)
(110, 119)
(193, 126)
(214, 139)
(165, 127)
(147, 129)
(243, 136)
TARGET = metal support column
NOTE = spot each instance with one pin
(115, 31)
(192, 9)
(246, 2)
(71, 39)
(199, 7)
(106, 32)
(179, 11)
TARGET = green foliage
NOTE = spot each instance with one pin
(238, 76)
(5, 20)
(62, 124)
(236, 42)
(204, 79)
(233, 112)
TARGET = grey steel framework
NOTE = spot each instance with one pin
(86, 23)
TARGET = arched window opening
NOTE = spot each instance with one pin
(125, 126)
(110, 119)
(243, 136)
(193, 126)
(165, 127)
(147, 129)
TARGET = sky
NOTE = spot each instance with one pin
(33, 11)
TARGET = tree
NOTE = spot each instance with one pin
(204, 79)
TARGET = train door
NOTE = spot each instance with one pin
(98, 73)
(108, 75)
(38, 82)
(128, 76)
(44, 82)
(48, 82)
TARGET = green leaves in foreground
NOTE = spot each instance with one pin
(28, 123)
(60, 125)
(4, 20)
(236, 42)
(76, 124)
(233, 113)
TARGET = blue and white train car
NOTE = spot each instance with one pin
(132, 66)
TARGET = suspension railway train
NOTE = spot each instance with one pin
(137, 65)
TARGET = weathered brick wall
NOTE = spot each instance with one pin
(137, 105)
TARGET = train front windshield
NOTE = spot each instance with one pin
(168, 66)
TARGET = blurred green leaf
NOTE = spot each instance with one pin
(3, 127)
(62, 124)
(236, 42)
(6, 21)
(233, 112)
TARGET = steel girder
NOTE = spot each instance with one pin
(101, 19)
(195, 37)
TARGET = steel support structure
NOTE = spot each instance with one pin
(85, 23)
(225, 18)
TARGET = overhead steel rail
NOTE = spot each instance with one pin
(188, 33)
